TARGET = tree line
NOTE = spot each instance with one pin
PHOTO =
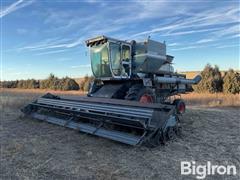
(214, 81)
(52, 82)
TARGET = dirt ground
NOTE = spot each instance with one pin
(32, 149)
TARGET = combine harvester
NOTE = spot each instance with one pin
(132, 99)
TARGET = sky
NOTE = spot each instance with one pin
(39, 37)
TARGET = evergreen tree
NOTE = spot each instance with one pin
(231, 82)
(211, 80)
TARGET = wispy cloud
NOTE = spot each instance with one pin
(91, 25)
(185, 48)
(185, 19)
(178, 30)
(200, 22)
(53, 44)
(15, 6)
(227, 46)
(56, 30)
(150, 9)
(230, 30)
(51, 52)
(199, 45)
(235, 36)
(81, 66)
(22, 31)
(173, 44)
(190, 31)
(64, 59)
(204, 41)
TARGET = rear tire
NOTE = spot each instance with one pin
(180, 106)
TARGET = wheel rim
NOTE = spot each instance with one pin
(146, 99)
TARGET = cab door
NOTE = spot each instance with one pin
(126, 60)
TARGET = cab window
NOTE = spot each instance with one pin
(100, 61)
(125, 53)
(115, 54)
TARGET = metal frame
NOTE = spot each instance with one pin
(95, 118)
(121, 43)
(130, 60)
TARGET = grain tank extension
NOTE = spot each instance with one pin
(132, 99)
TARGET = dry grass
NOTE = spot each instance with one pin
(31, 149)
(19, 97)
(190, 74)
(212, 100)
(39, 91)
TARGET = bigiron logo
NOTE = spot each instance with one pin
(200, 171)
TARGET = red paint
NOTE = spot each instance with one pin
(146, 99)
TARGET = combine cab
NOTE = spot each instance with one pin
(130, 100)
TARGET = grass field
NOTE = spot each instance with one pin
(212, 100)
(32, 149)
(193, 99)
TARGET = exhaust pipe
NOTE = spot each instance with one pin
(177, 80)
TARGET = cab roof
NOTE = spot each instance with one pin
(101, 39)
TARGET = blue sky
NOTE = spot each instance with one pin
(40, 37)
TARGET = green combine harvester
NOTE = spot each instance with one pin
(132, 99)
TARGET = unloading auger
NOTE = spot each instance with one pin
(131, 99)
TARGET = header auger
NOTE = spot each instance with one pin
(129, 101)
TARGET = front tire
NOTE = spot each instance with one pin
(140, 93)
